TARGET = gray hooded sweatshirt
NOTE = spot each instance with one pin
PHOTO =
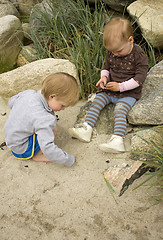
(31, 114)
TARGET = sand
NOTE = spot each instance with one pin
(47, 201)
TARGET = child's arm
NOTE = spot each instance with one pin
(124, 86)
(141, 67)
(105, 72)
(104, 79)
(44, 128)
(128, 85)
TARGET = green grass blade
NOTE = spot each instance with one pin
(112, 191)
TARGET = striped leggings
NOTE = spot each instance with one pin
(122, 107)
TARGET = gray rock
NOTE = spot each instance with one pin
(7, 8)
(117, 5)
(141, 142)
(27, 55)
(11, 37)
(54, 11)
(26, 30)
(25, 6)
(149, 109)
(154, 78)
(36, 20)
(30, 76)
(149, 16)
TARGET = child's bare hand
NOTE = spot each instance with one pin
(113, 86)
(102, 82)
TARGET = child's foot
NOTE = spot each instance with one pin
(83, 133)
(115, 145)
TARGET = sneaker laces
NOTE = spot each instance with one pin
(112, 138)
(81, 125)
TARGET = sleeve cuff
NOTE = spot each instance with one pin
(105, 73)
(128, 85)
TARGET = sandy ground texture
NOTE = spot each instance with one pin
(46, 201)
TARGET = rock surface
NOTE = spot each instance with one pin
(149, 16)
(7, 8)
(31, 76)
(11, 37)
(149, 109)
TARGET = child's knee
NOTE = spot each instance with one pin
(118, 107)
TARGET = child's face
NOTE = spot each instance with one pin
(122, 49)
(55, 104)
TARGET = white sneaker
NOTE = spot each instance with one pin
(115, 145)
(83, 132)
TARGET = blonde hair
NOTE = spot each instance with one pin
(117, 30)
(63, 85)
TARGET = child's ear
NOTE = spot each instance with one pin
(131, 39)
(52, 96)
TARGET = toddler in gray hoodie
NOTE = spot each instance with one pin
(32, 125)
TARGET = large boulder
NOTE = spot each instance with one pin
(31, 76)
(146, 140)
(149, 16)
(55, 11)
(27, 55)
(149, 109)
(25, 6)
(7, 8)
(36, 18)
(11, 37)
(117, 5)
(154, 79)
(26, 30)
